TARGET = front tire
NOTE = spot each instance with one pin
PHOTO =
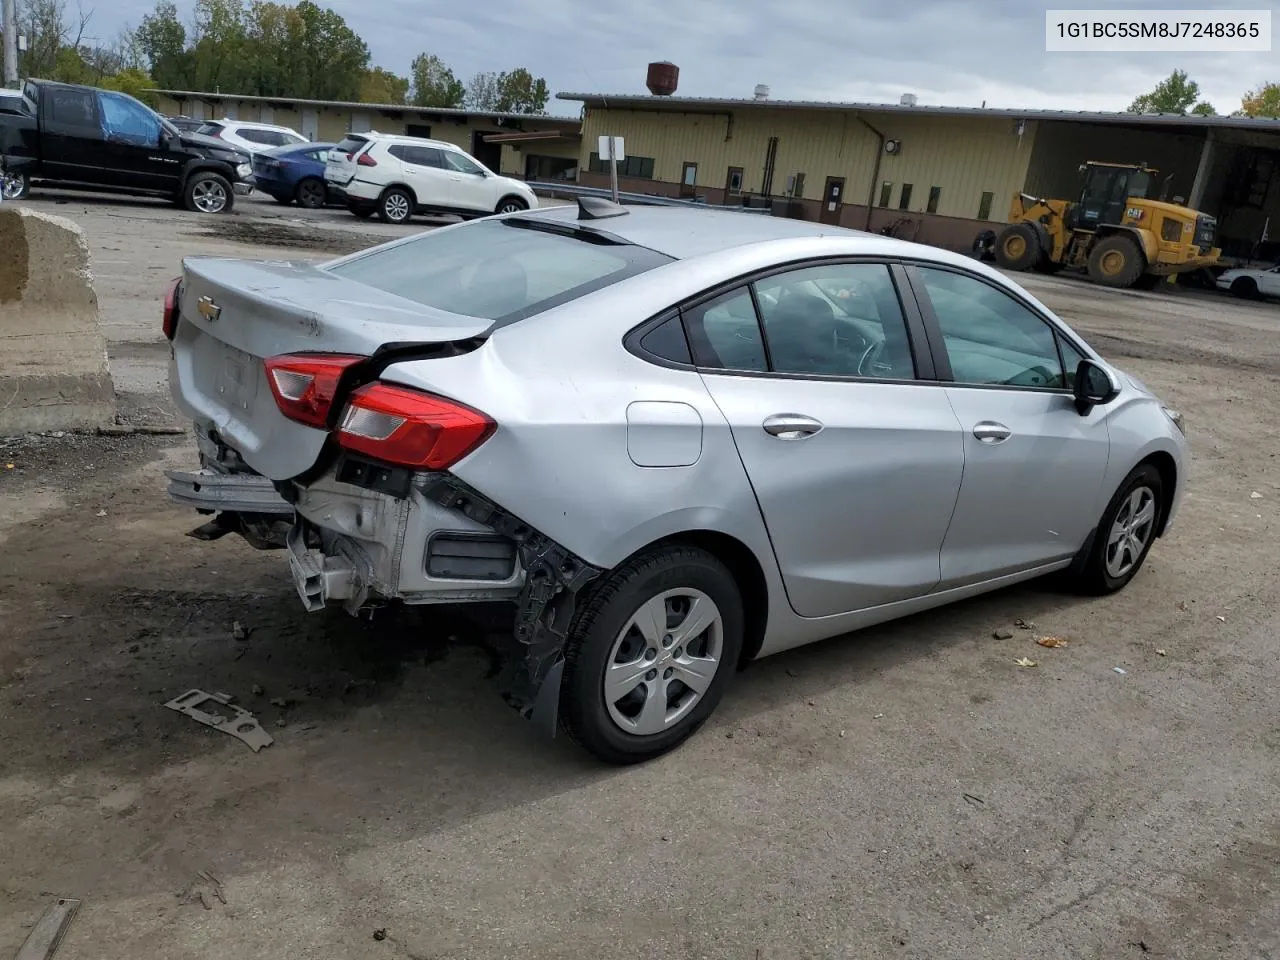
(1018, 247)
(1245, 287)
(15, 186)
(395, 206)
(1116, 262)
(208, 192)
(1125, 533)
(650, 654)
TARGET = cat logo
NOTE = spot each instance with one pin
(208, 309)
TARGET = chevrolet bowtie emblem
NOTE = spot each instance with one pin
(208, 309)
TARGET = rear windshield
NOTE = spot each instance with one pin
(210, 129)
(350, 144)
(496, 270)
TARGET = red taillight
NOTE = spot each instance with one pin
(366, 161)
(171, 308)
(304, 384)
(411, 428)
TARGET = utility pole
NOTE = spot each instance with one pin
(10, 26)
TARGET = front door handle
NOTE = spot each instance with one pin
(791, 426)
(988, 431)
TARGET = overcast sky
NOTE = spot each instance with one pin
(947, 52)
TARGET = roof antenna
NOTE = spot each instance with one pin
(598, 208)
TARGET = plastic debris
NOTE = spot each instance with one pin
(1052, 642)
(45, 937)
(241, 724)
(1162, 652)
(102, 513)
(1025, 662)
(1222, 618)
(1255, 495)
(1120, 670)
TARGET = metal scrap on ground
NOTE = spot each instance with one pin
(49, 930)
(242, 725)
(204, 887)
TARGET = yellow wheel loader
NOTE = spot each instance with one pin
(1114, 232)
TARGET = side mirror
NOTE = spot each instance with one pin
(1094, 386)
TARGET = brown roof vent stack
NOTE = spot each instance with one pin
(663, 78)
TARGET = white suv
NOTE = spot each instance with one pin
(252, 138)
(395, 177)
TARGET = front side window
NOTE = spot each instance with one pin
(840, 319)
(496, 269)
(461, 163)
(125, 119)
(990, 337)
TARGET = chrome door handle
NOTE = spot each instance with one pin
(791, 426)
(988, 431)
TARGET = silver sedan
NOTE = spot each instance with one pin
(673, 439)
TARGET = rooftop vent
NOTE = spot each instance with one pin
(762, 91)
(663, 78)
(907, 100)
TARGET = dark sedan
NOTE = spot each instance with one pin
(294, 172)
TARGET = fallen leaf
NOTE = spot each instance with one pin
(8, 466)
(1025, 662)
(1052, 642)
(1162, 653)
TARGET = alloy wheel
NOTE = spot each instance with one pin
(311, 194)
(397, 207)
(1130, 532)
(209, 196)
(663, 660)
(12, 186)
(511, 206)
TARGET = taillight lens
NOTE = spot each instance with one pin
(366, 161)
(172, 298)
(304, 384)
(411, 428)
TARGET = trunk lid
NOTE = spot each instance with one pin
(236, 313)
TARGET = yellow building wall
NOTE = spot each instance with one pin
(964, 156)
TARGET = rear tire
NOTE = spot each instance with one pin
(16, 186)
(395, 206)
(208, 192)
(1116, 262)
(311, 193)
(364, 213)
(1125, 534)
(1018, 247)
(633, 617)
(1245, 287)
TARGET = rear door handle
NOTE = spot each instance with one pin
(791, 426)
(988, 431)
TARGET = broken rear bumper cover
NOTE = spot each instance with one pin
(356, 534)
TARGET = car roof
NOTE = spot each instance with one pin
(403, 138)
(258, 126)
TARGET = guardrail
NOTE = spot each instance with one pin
(575, 190)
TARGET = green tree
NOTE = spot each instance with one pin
(520, 92)
(163, 41)
(483, 91)
(330, 59)
(433, 84)
(1175, 94)
(383, 86)
(49, 30)
(1263, 102)
(218, 48)
(134, 82)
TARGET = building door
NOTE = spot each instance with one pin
(311, 124)
(831, 200)
(361, 122)
(490, 154)
(689, 180)
(733, 186)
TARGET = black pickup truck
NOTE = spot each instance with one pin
(82, 138)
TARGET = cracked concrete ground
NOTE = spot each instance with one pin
(905, 792)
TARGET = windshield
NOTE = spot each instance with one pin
(1139, 184)
(496, 269)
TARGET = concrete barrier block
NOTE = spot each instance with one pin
(53, 354)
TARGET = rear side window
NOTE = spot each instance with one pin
(725, 333)
(270, 138)
(72, 108)
(497, 269)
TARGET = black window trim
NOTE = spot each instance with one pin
(917, 338)
(937, 344)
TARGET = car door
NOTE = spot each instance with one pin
(424, 171)
(1033, 466)
(1269, 282)
(854, 457)
(133, 151)
(471, 186)
(71, 135)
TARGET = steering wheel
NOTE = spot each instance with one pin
(871, 357)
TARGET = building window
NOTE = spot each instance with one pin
(639, 167)
(733, 182)
(904, 199)
(984, 208)
(417, 130)
(886, 189)
(935, 193)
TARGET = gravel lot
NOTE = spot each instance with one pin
(907, 792)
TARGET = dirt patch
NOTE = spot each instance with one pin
(13, 263)
(264, 234)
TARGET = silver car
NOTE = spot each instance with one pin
(674, 439)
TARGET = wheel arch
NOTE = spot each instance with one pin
(398, 185)
(1143, 239)
(1167, 467)
(511, 196)
(747, 572)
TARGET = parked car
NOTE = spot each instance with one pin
(295, 172)
(1251, 283)
(84, 138)
(252, 138)
(186, 124)
(396, 176)
(340, 166)
(676, 439)
(12, 102)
